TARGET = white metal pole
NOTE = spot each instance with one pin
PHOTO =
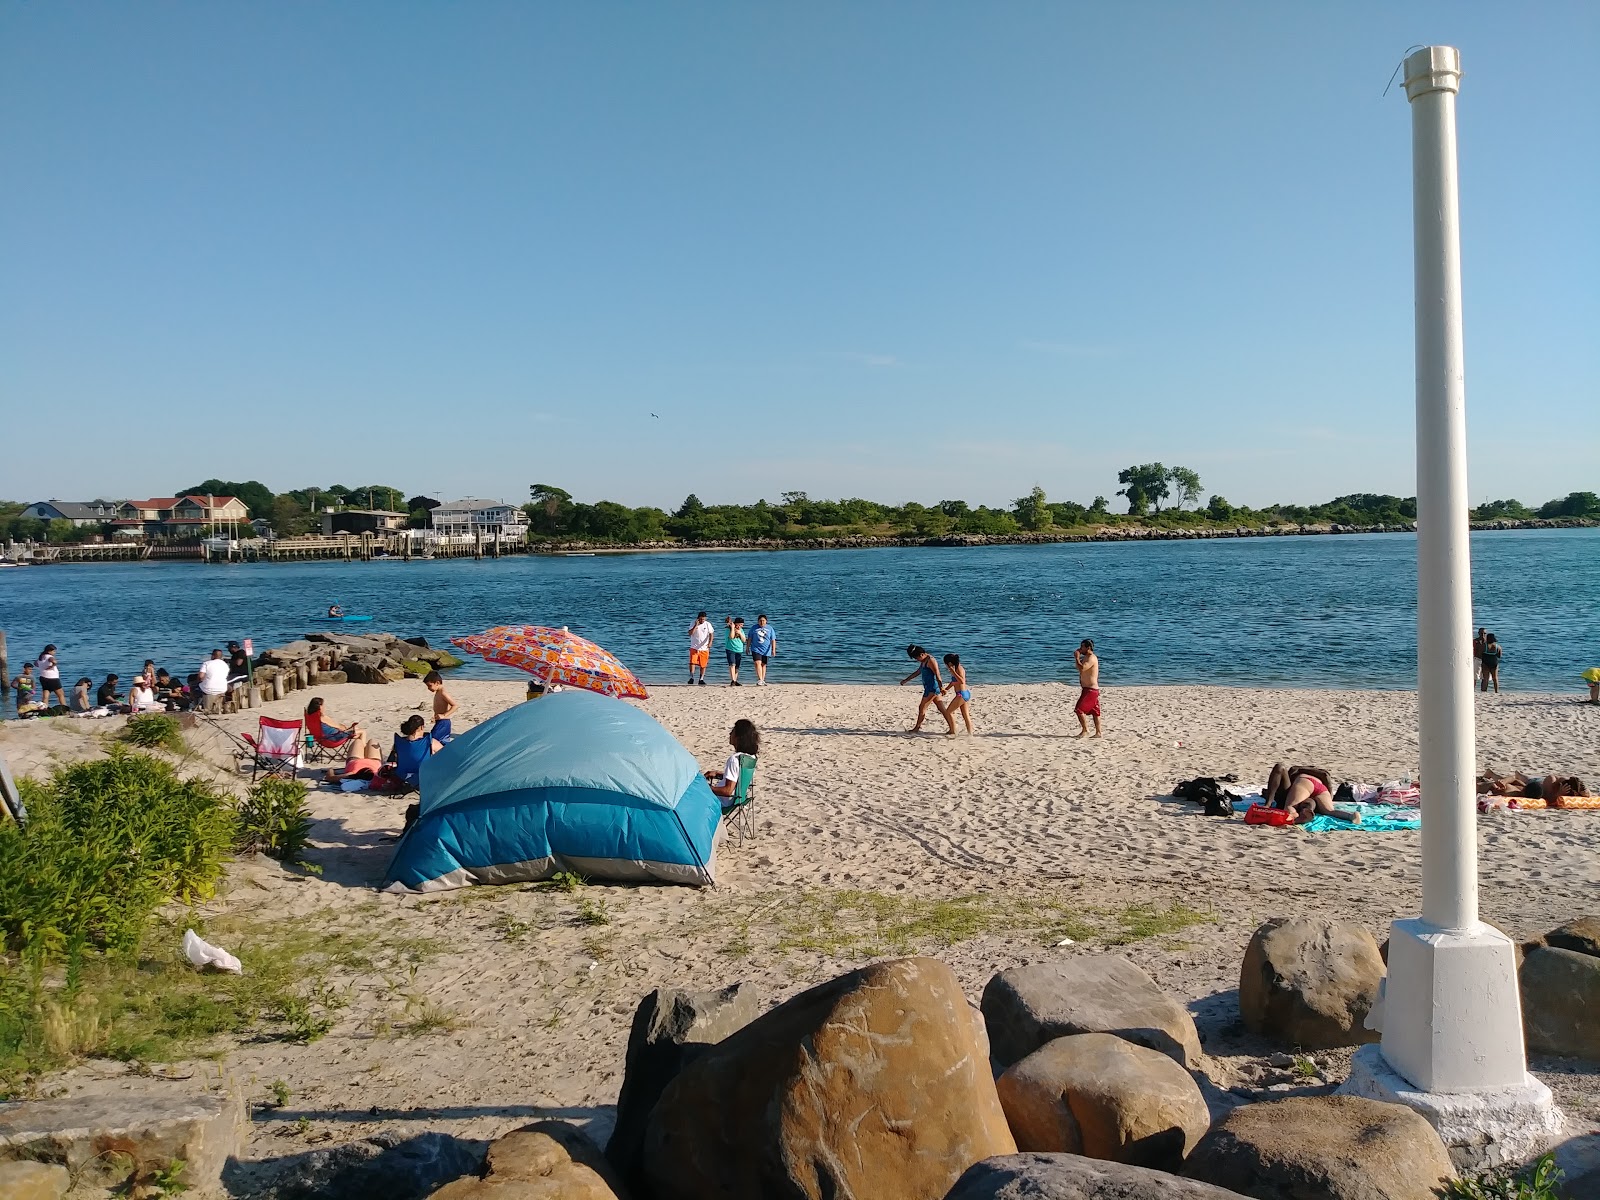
(1445, 700)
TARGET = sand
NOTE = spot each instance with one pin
(531, 996)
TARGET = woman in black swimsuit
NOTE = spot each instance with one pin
(1492, 654)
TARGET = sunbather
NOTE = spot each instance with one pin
(1307, 792)
(361, 754)
(327, 732)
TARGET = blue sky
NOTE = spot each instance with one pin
(904, 251)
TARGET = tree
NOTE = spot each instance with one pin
(1219, 509)
(1502, 510)
(551, 505)
(791, 498)
(1574, 504)
(289, 517)
(1144, 485)
(1187, 483)
(1099, 508)
(426, 503)
(257, 496)
(1033, 510)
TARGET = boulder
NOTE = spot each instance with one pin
(1561, 1002)
(1098, 1095)
(1581, 935)
(290, 652)
(549, 1160)
(112, 1140)
(1072, 1177)
(386, 1164)
(1310, 983)
(329, 678)
(34, 1181)
(1331, 1147)
(1025, 1007)
(875, 1084)
(670, 1030)
(415, 667)
(364, 670)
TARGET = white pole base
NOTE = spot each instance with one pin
(1480, 1129)
(1451, 1008)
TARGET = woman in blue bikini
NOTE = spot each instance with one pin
(928, 669)
(962, 700)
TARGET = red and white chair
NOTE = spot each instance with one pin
(278, 749)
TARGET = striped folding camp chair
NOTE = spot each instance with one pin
(738, 810)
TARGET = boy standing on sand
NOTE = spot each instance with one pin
(763, 645)
(1089, 680)
(443, 707)
(700, 637)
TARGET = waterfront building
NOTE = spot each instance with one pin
(492, 518)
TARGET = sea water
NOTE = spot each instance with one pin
(1285, 611)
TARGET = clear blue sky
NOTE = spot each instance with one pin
(898, 250)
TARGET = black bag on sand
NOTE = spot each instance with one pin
(1207, 792)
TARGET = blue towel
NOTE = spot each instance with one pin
(1375, 818)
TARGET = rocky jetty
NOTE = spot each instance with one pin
(322, 659)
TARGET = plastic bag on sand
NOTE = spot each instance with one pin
(203, 954)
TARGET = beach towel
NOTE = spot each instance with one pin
(1375, 818)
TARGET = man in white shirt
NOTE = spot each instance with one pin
(214, 681)
(700, 638)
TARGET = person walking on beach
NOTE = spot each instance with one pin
(928, 670)
(1089, 684)
(1477, 657)
(444, 707)
(1493, 652)
(700, 637)
(734, 643)
(763, 645)
(962, 700)
(49, 676)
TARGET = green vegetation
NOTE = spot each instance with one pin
(1540, 1181)
(1158, 496)
(592, 912)
(155, 731)
(1140, 921)
(106, 842)
(274, 819)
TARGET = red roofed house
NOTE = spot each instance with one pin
(169, 516)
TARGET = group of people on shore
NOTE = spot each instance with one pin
(760, 641)
(152, 688)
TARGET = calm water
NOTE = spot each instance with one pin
(1301, 612)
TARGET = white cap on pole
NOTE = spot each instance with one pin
(1450, 1010)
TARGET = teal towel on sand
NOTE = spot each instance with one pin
(1375, 818)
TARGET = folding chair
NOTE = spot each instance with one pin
(276, 749)
(320, 747)
(738, 810)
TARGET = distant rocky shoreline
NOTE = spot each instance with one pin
(1135, 533)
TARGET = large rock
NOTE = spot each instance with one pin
(1025, 1007)
(1581, 934)
(670, 1030)
(1072, 1177)
(365, 670)
(1098, 1095)
(386, 1164)
(1310, 983)
(111, 1140)
(287, 654)
(549, 1160)
(1561, 1002)
(875, 1084)
(1330, 1147)
(33, 1181)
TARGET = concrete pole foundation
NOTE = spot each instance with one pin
(1450, 1010)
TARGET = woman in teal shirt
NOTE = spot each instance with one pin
(734, 644)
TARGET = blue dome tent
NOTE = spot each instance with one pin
(573, 782)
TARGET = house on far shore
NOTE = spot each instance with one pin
(175, 516)
(361, 520)
(492, 518)
(79, 512)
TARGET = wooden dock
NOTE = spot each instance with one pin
(346, 547)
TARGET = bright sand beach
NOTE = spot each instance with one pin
(519, 1003)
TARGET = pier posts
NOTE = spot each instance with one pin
(1450, 1008)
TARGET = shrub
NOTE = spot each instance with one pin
(106, 842)
(274, 820)
(154, 731)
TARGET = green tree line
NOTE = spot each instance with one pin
(1155, 495)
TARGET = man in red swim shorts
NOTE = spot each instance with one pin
(1089, 680)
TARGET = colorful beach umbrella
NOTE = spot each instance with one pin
(556, 656)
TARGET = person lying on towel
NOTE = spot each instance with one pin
(1307, 792)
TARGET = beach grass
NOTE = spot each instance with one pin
(151, 1005)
